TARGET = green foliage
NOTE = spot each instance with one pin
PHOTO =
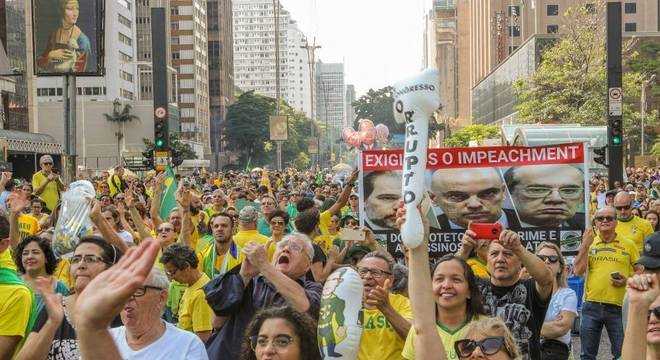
(655, 150)
(477, 132)
(184, 149)
(246, 130)
(376, 105)
(301, 162)
(570, 84)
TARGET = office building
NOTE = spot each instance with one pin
(221, 71)
(350, 109)
(16, 92)
(254, 46)
(297, 91)
(330, 94)
(189, 44)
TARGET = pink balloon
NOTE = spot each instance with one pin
(346, 133)
(354, 140)
(368, 136)
(365, 124)
(383, 132)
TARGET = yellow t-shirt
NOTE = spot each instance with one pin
(6, 261)
(479, 268)
(62, 273)
(233, 257)
(636, 230)
(605, 258)
(28, 225)
(448, 337)
(379, 340)
(324, 222)
(15, 308)
(243, 237)
(195, 314)
(51, 194)
(325, 242)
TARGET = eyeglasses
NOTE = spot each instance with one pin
(459, 196)
(293, 246)
(549, 258)
(141, 291)
(89, 259)
(46, 163)
(624, 207)
(489, 346)
(375, 273)
(280, 342)
(539, 192)
(277, 223)
(655, 311)
(165, 229)
(604, 218)
(351, 223)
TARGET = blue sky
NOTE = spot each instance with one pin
(379, 41)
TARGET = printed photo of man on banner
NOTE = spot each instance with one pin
(537, 191)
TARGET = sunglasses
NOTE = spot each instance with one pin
(165, 229)
(47, 163)
(604, 218)
(551, 258)
(625, 207)
(655, 311)
(277, 223)
(489, 346)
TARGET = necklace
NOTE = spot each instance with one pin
(66, 312)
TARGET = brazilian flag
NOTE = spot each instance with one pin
(167, 200)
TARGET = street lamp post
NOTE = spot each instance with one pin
(646, 84)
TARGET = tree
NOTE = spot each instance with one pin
(185, 151)
(301, 162)
(570, 84)
(120, 116)
(376, 105)
(477, 132)
(246, 130)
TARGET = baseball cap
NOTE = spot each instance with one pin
(354, 195)
(651, 253)
(248, 214)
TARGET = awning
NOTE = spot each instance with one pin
(20, 141)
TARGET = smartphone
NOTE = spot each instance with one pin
(348, 234)
(616, 275)
(487, 231)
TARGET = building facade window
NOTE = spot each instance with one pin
(630, 27)
(630, 8)
(553, 10)
(125, 39)
(514, 31)
(124, 20)
(553, 29)
(514, 10)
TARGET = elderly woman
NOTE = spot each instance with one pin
(144, 334)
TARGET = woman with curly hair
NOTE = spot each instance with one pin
(34, 258)
(282, 331)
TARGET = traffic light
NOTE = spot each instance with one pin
(161, 132)
(616, 132)
(601, 155)
(148, 160)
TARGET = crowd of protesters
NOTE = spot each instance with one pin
(234, 268)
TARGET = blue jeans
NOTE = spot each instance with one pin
(594, 317)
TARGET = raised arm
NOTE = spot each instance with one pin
(105, 228)
(17, 202)
(345, 193)
(121, 208)
(535, 266)
(428, 344)
(141, 227)
(321, 271)
(154, 211)
(106, 295)
(643, 290)
(291, 291)
(183, 198)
